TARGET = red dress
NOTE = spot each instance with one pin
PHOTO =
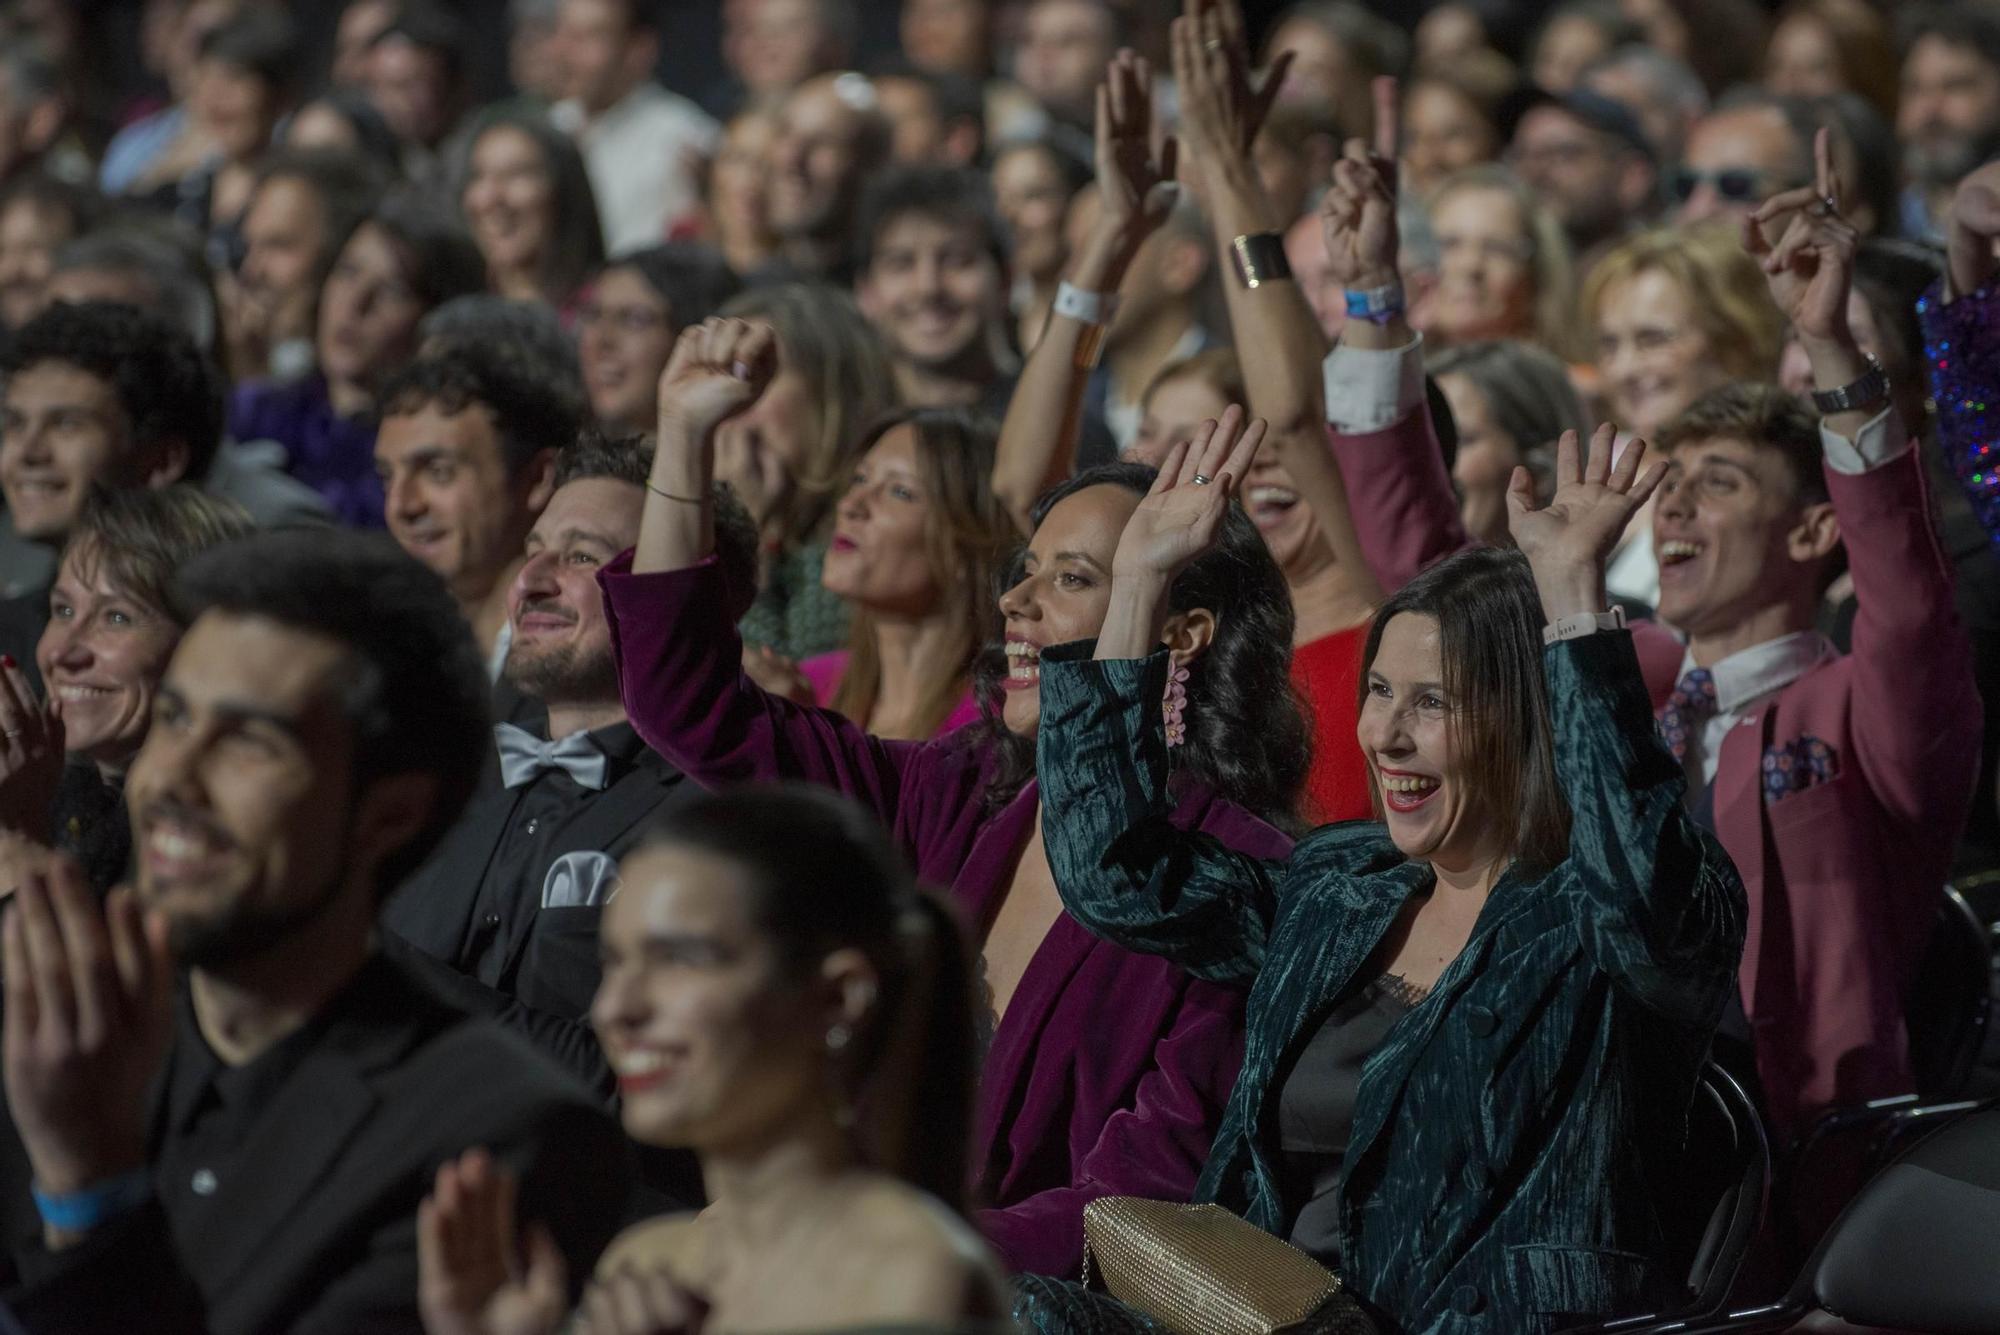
(1327, 675)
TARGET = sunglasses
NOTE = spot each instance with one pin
(1738, 185)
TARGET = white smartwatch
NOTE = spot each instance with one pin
(1582, 624)
(1087, 307)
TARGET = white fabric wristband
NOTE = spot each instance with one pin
(1088, 307)
(1582, 624)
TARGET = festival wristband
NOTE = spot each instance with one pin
(1098, 308)
(1376, 305)
(81, 1211)
(1583, 623)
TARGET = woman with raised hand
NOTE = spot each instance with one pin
(1475, 1025)
(1071, 1107)
(815, 1050)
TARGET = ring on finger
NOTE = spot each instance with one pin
(1200, 480)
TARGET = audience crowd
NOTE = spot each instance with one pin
(771, 696)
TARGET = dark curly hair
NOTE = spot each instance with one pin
(169, 392)
(1247, 737)
(534, 407)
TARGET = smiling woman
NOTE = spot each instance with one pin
(111, 630)
(527, 199)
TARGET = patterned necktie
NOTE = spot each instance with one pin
(1690, 706)
(524, 757)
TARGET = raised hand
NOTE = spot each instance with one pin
(1222, 108)
(89, 994)
(777, 675)
(1135, 182)
(718, 368)
(472, 1275)
(1807, 251)
(1182, 514)
(1974, 229)
(1359, 211)
(31, 753)
(1568, 540)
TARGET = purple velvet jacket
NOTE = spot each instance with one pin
(1071, 1106)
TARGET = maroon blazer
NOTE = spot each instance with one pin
(1843, 876)
(1071, 1107)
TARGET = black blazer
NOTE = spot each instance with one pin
(317, 1232)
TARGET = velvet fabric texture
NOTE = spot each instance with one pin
(1108, 1072)
(1513, 1130)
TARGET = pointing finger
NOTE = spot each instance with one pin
(1386, 119)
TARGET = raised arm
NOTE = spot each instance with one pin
(1221, 115)
(1121, 867)
(1915, 729)
(1659, 905)
(1136, 191)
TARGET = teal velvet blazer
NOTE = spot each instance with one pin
(1511, 1133)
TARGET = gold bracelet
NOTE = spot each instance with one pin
(684, 500)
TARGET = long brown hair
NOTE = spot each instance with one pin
(968, 538)
(1490, 637)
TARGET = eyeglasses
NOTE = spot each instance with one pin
(1738, 185)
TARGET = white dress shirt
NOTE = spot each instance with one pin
(640, 156)
(1743, 681)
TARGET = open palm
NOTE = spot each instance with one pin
(471, 1279)
(1182, 513)
(1594, 501)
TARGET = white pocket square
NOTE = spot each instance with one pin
(580, 880)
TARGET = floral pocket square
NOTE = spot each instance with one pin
(1794, 766)
(580, 880)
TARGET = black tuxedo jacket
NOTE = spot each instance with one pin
(314, 1230)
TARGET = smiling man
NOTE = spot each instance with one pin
(245, 1150)
(95, 396)
(933, 282)
(513, 895)
(466, 451)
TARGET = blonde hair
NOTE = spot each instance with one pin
(1551, 268)
(1725, 288)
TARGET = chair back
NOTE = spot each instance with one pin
(1729, 1183)
(1950, 1000)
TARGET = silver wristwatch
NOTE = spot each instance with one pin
(1870, 389)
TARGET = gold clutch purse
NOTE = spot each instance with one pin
(1200, 1270)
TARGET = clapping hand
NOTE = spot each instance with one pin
(1568, 540)
(1974, 229)
(632, 1301)
(1810, 263)
(89, 993)
(718, 368)
(473, 1277)
(1182, 513)
(1359, 211)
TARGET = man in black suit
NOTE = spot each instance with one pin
(513, 895)
(245, 1151)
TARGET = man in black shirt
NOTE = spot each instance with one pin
(318, 729)
(513, 895)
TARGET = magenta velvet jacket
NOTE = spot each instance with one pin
(1110, 1070)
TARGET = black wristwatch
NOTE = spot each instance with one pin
(1869, 390)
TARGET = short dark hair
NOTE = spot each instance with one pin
(1756, 414)
(628, 458)
(1968, 26)
(953, 196)
(416, 686)
(261, 40)
(694, 280)
(956, 99)
(433, 27)
(439, 256)
(373, 138)
(182, 290)
(533, 409)
(169, 392)
(80, 203)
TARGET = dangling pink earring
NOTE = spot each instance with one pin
(1175, 705)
